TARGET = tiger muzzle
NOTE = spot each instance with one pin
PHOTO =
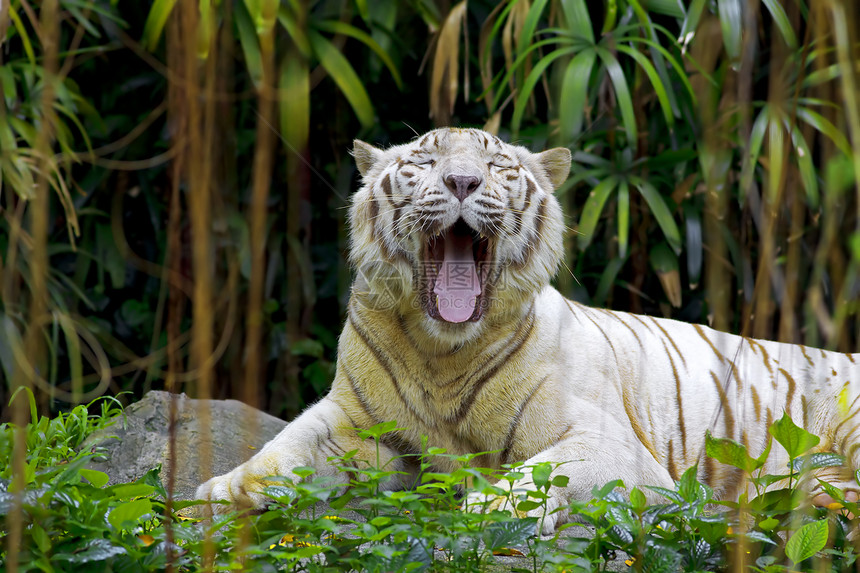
(454, 273)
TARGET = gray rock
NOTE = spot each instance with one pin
(212, 438)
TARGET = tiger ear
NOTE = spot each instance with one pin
(556, 164)
(365, 155)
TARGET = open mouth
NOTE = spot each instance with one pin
(455, 273)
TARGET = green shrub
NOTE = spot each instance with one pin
(71, 518)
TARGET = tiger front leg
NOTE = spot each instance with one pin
(321, 432)
(586, 461)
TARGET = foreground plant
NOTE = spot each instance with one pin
(73, 520)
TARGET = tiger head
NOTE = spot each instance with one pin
(456, 229)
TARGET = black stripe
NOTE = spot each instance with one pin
(386, 188)
(791, 388)
(541, 213)
(728, 413)
(365, 405)
(570, 305)
(512, 430)
(385, 362)
(519, 213)
(617, 316)
(765, 357)
(670, 462)
(515, 343)
(603, 332)
(756, 403)
(701, 332)
(670, 339)
(681, 425)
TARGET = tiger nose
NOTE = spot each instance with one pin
(462, 185)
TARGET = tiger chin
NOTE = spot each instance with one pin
(454, 331)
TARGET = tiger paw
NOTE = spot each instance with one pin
(241, 488)
(548, 516)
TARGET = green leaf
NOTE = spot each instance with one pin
(129, 513)
(693, 228)
(623, 218)
(363, 10)
(807, 541)
(529, 84)
(578, 19)
(250, 43)
(263, 13)
(593, 208)
(95, 477)
(754, 146)
(340, 70)
(294, 85)
(530, 25)
(759, 537)
(638, 500)
(296, 32)
(776, 159)
(337, 27)
(688, 486)
(808, 174)
(780, 19)
(379, 430)
(505, 78)
(98, 549)
(607, 279)
(817, 460)
(25, 38)
(794, 439)
(824, 125)
(281, 493)
(541, 473)
(509, 533)
(837, 494)
(656, 62)
(667, 493)
(611, 17)
(574, 95)
(528, 505)
(127, 490)
(672, 8)
(730, 452)
(656, 82)
(622, 95)
(307, 347)
(43, 542)
(10, 345)
(155, 21)
(731, 23)
(661, 212)
(691, 22)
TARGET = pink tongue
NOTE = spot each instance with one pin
(457, 285)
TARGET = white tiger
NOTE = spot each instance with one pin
(454, 331)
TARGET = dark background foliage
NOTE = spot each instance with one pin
(202, 152)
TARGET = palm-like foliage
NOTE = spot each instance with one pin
(649, 105)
